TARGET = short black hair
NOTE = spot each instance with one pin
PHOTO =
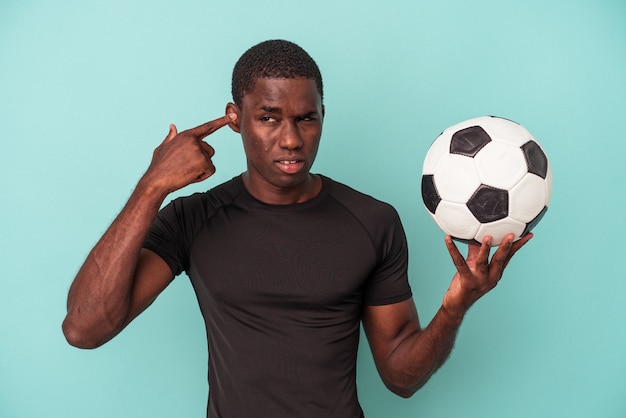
(273, 59)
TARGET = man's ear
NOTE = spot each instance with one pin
(233, 108)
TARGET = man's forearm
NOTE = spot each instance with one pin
(422, 353)
(99, 298)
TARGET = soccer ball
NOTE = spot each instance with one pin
(486, 176)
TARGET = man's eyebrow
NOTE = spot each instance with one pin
(278, 110)
(270, 109)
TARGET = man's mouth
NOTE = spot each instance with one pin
(290, 166)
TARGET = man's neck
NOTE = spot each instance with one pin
(273, 195)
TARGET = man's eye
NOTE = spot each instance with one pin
(308, 117)
(267, 119)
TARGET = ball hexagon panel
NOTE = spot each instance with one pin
(456, 220)
(438, 150)
(456, 178)
(501, 165)
(548, 185)
(530, 225)
(499, 229)
(528, 198)
(505, 130)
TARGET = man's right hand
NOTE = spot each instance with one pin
(184, 158)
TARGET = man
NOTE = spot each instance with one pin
(286, 264)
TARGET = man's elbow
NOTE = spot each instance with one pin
(403, 391)
(405, 384)
(79, 338)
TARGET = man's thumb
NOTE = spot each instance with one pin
(171, 134)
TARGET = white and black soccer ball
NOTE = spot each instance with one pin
(486, 176)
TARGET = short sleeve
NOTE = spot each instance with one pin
(389, 282)
(167, 236)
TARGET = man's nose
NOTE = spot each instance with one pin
(290, 137)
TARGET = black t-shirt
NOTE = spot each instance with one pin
(281, 289)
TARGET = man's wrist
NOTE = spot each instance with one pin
(151, 190)
(452, 315)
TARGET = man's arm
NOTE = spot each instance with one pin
(407, 355)
(119, 279)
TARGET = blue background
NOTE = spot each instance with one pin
(87, 90)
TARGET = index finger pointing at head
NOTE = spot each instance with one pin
(208, 128)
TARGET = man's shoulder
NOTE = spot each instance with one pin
(355, 199)
(227, 191)
(375, 215)
(219, 196)
(380, 219)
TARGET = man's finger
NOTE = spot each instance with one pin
(521, 242)
(208, 128)
(457, 258)
(502, 254)
(517, 245)
(171, 134)
(207, 149)
(480, 254)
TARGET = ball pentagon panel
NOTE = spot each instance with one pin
(469, 141)
(536, 159)
(430, 196)
(489, 204)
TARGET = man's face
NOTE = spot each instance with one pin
(280, 123)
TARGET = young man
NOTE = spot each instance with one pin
(286, 264)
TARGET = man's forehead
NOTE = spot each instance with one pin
(278, 92)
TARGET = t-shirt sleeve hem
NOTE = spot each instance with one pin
(174, 267)
(390, 300)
